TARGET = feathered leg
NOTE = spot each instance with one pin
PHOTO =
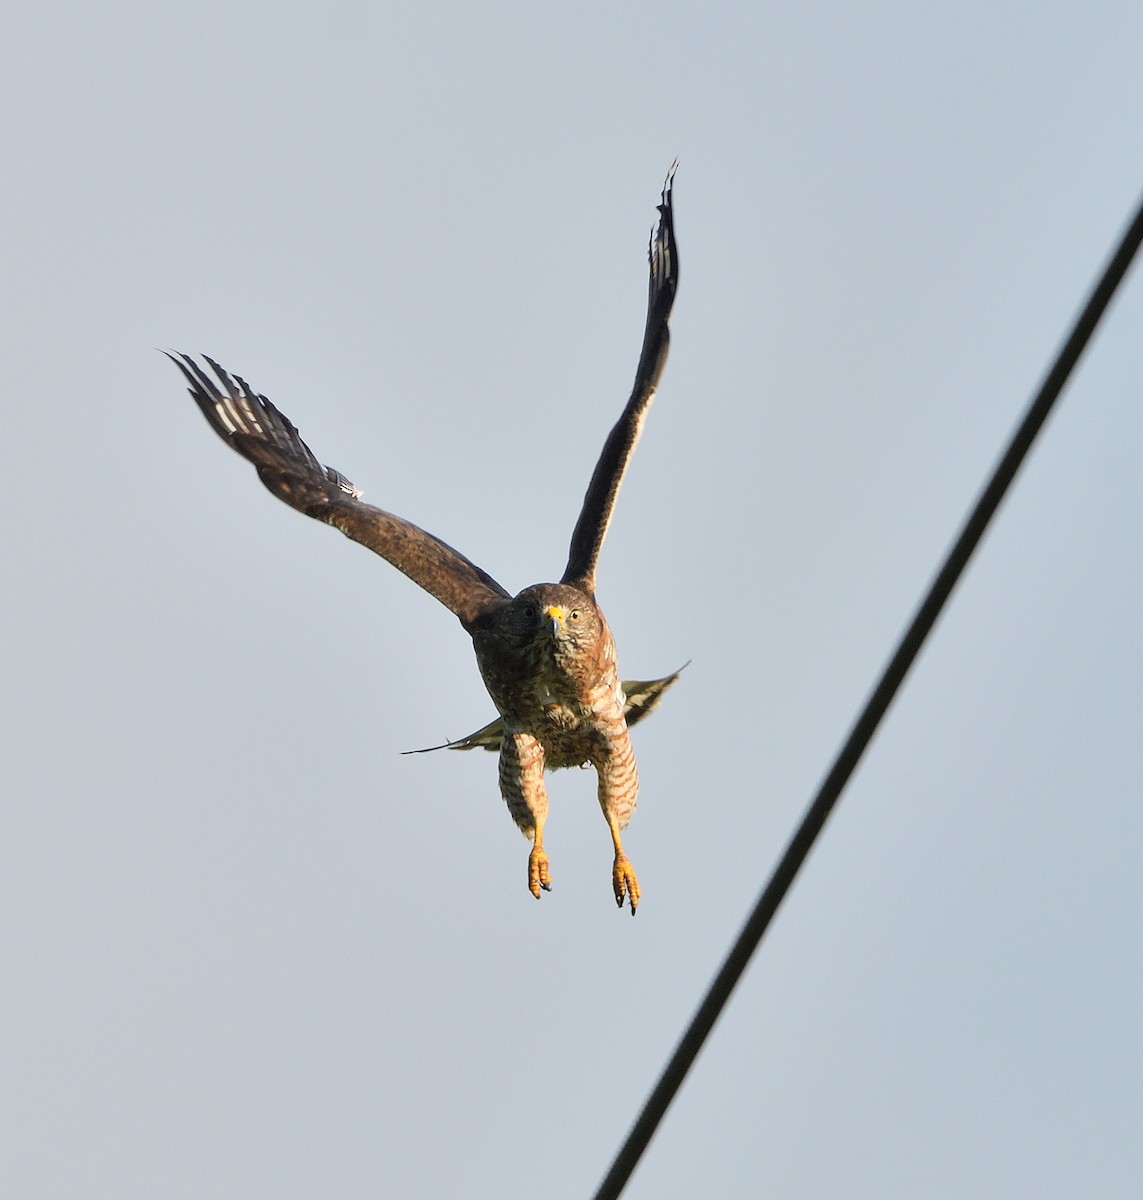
(618, 791)
(522, 786)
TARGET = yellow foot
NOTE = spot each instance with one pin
(624, 882)
(538, 874)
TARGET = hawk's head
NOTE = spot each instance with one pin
(558, 615)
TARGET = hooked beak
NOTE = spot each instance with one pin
(556, 615)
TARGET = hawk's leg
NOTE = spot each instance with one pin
(618, 791)
(522, 786)
(623, 880)
(539, 877)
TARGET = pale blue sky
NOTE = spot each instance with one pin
(250, 951)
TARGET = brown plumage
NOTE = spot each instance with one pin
(547, 656)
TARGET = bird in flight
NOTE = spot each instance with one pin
(547, 656)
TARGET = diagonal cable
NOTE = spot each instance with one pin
(875, 708)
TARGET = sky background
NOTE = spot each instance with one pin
(248, 950)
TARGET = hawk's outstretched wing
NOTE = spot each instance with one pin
(595, 516)
(251, 425)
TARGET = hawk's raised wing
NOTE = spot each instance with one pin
(595, 516)
(260, 433)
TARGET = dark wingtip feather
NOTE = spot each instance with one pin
(661, 252)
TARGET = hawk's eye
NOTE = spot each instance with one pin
(530, 612)
(574, 614)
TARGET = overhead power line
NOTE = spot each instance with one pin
(866, 724)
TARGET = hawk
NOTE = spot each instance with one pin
(547, 656)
